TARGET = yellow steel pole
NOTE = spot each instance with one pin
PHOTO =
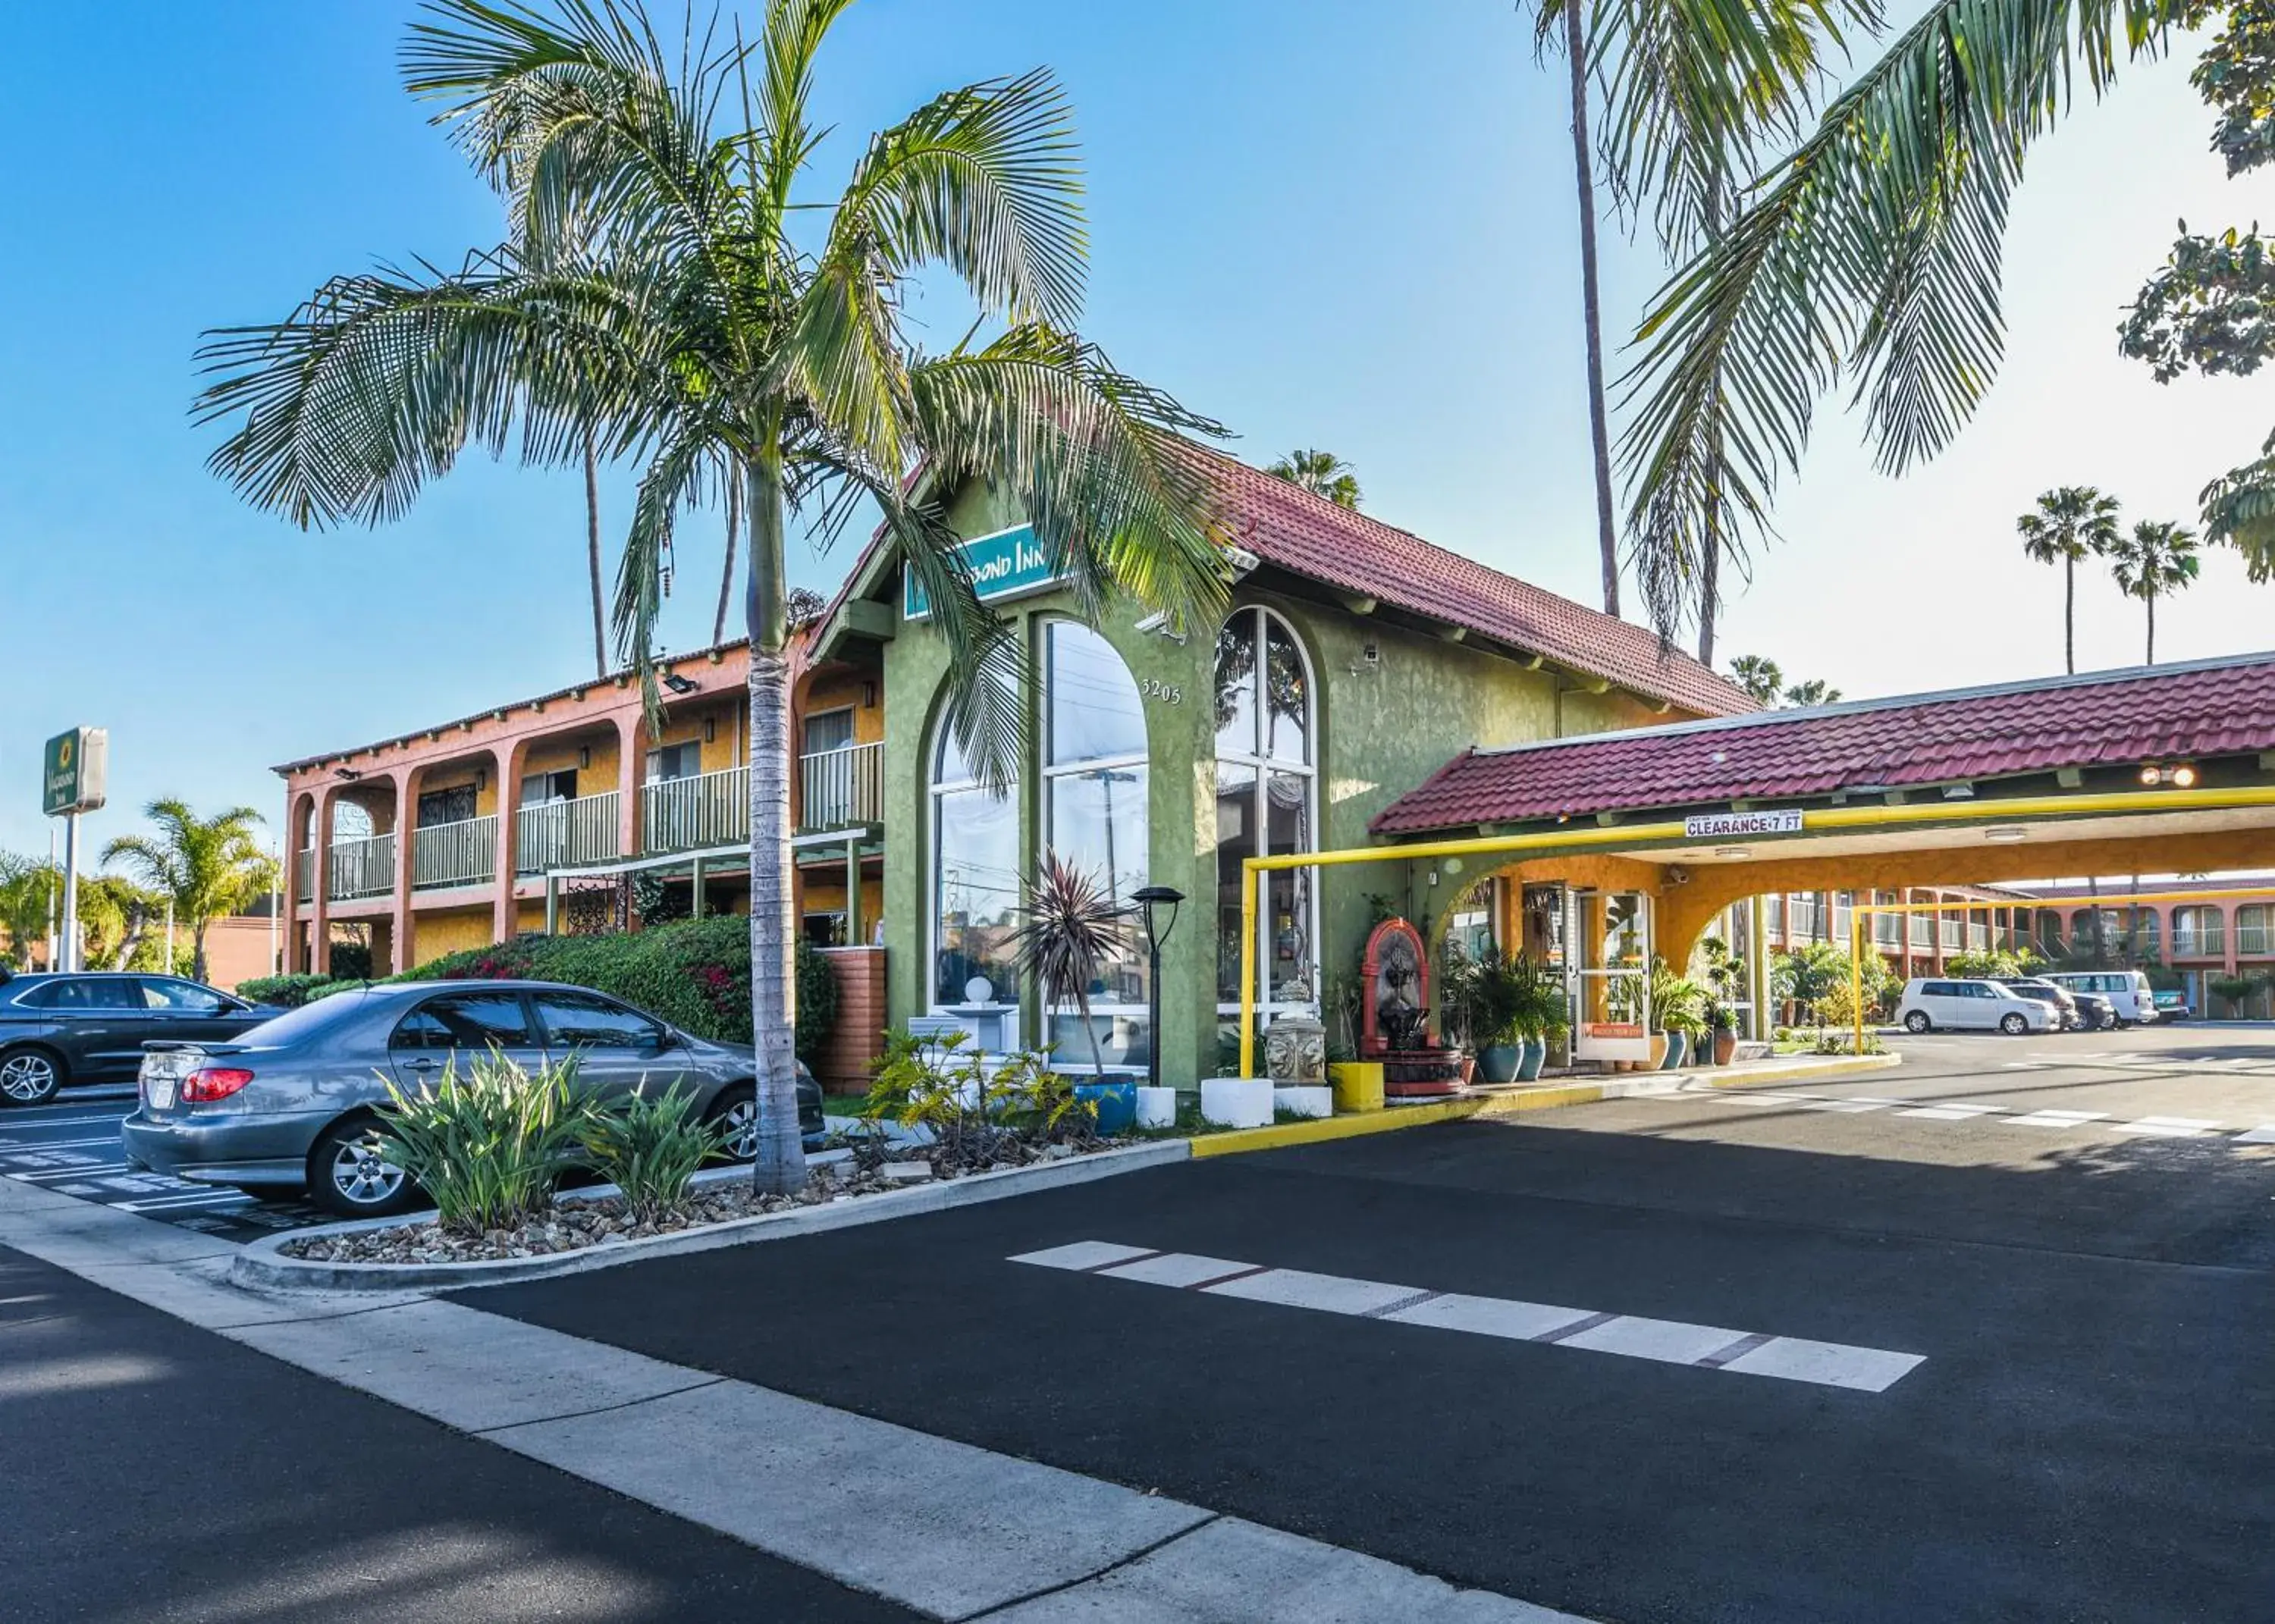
(1251, 884)
(1856, 916)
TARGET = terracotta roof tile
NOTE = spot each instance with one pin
(1309, 536)
(2208, 708)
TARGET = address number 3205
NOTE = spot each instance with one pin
(1168, 693)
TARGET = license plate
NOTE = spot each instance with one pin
(161, 1074)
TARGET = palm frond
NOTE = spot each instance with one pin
(1870, 253)
(1118, 500)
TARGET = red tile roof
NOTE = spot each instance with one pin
(2207, 708)
(1308, 535)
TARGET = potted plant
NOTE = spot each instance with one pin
(1674, 1006)
(1070, 932)
(1540, 1014)
(1493, 990)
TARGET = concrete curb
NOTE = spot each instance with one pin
(263, 1266)
(1541, 1096)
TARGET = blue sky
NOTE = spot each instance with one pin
(1319, 228)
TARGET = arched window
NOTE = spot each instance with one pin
(1267, 804)
(1095, 785)
(975, 897)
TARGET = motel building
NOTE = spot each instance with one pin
(1378, 728)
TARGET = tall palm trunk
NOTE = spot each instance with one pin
(593, 552)
(1576, 49)
(197, 953)
(2069, 614)
(726, 576)
(2152, 628)
(780, 1165)
(1709, 566)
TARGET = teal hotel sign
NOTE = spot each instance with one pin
(1011, 564)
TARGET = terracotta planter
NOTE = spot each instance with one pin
(1725, 1045)
(1658, 1046)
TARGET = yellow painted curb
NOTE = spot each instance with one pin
(1390, 1120)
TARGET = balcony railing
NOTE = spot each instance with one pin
(1978, 938)
(304, 874)
(688, 815)
(364, 867)
(1888, 930)
(566, 833)
(843, 787)
(455, 854)
(2253, 937)
(1953, 935)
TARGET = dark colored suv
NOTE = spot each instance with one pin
(90, 1026)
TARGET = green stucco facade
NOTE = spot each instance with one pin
(1383, 725)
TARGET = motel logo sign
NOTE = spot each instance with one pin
(1011, 564)
(1727, 826)
(74, 771)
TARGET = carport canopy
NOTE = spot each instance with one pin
(2151, 770)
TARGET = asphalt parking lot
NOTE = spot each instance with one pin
(1984, 1337)
(71, 1146)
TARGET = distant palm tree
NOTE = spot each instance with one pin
(2069, 523)
(1759, 675)
(2156, 561)
(208, 866)
(1322, 473)
(1816, 690)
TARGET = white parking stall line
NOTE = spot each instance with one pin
(112, 1118)
(2264, 1135)
(1666, 1341)
(8, 1146)
(2165, 1127)
(187, 1199)
(89, 1168)
(2057, 1119)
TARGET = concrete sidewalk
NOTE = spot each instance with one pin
(947, 1529)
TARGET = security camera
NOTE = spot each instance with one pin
(1242, 560)
(1165, 625)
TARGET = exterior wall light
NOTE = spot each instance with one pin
(1155, 900)
(2183, 776)
(2152, 775)
(1734, 852)
(2005, 835)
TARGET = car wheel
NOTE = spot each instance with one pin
(1917, 1021)
(2117, 1022)
(348, 1175)
(2015, 1024)
(736, 1111)
(29, 1076)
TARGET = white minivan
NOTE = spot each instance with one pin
(1987, 1006)
(2129, 994)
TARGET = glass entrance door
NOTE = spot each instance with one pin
(1609, 979)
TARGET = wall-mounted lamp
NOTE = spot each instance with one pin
(2005, 835)
(347, 773)
(1734, 852)
(710, 729)
(2181, 775)
(677, 683)
(584, 756)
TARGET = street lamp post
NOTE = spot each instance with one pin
(1153, 899)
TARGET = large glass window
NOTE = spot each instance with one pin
(1266, 802)
(975, 895)
(1095, 785)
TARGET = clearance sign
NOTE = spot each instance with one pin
(1724, 825)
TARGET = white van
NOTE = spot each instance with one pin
(2128, 991)
(1931, 1002)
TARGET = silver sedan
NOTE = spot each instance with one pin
(290, 1104)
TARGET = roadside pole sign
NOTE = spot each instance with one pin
(76, 773)
(74, 778)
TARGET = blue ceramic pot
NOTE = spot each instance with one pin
(1678, 1050)
(1498, 1062)
(1116, 1103)
(1535, 1056)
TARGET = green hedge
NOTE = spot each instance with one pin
(695, 973)
(286, 992)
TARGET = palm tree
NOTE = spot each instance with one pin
(2156, 561)
(1689, 92)
(1816, 690)
(2070, 523)
(1867, 259)
(702, 333)
(1322, 473)
(207, 867)
(1759, 675)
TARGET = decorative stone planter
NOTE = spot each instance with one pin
(1156, 1108)
(1304, 1099)
(1236, 1102)
(1358, 1085)
(1116, 1103)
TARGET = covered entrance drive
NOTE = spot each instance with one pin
(2156, 771)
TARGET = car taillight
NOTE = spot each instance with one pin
(211, 1083)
